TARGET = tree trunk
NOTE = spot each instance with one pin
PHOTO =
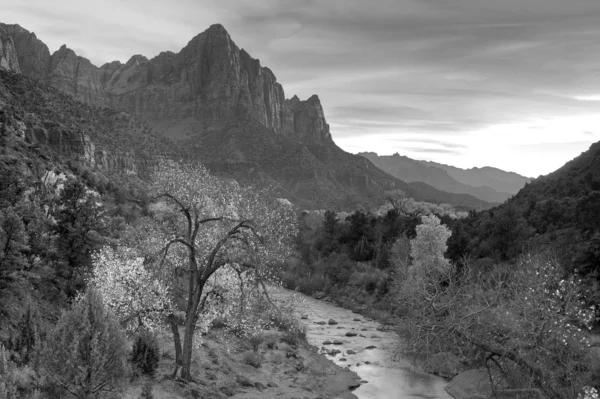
(190, 327)
(176, 339)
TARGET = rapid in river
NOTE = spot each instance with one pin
(367, 353)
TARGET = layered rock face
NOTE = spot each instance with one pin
(210, 80)
(8, 54)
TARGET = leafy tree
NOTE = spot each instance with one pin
(214, 232)
(429, 246)
(85, 354)
(524, 321)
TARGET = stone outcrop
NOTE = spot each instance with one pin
(8, 53)
(32, 53)
(210, 80)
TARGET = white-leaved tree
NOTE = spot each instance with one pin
(429, 246)
(208, 241)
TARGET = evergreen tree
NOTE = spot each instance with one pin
(85, 354)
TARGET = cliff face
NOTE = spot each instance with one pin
(210, 80)
(33, 54)
(8, 53)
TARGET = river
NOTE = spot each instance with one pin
(385, 379)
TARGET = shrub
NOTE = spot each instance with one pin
(85, 353)
(147, 391)
(253, 359)
(270, 341)
(256, 340)
(145, 354)
(294, 337)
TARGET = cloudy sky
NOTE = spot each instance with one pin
(513, 84)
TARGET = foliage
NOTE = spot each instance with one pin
(253, 359)
(427, 249)
(145, 353)
(147, 391)
(211, 241)
(85, 353)
(25, 343)
(526, 319)
(131, 290)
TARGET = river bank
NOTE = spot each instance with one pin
(225, 366)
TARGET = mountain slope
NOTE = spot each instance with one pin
(411, 170)
(497, 179)
(559, 212)
(226, 110)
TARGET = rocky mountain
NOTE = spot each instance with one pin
(495, 178)
(488, 184)
(8, 53)
(225, 109)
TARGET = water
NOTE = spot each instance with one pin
(386, 379)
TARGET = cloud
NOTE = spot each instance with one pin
(451, 71)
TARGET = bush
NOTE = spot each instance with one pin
(270, 341)
(147, 391)
(253, 359)
(145, 354)
(256, 340)
(85, 354)
(294, 337)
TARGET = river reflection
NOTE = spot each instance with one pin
(386, 379)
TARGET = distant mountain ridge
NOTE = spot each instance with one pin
(488, 184)
(498, 179)
(220, 106)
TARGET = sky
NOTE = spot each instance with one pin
(513, 84)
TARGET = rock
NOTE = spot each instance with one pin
(319, 295)
(351, 334)
(327, 342)
(364, 381)
(244, 381)
(375, 336)
(227, 391)
(336, 342)
(304, 317)
(470, 384)
(371, 347)
(356, 319)
(367, 362)
(321, 323)
(350, 352)
(333, 352)
(340, 327)
(210, 376)
(332, 322)
(444, 364)
(8, 53)
(272, 385)
(342, 359)
(259, 385)
(364, 329)
(362, 336)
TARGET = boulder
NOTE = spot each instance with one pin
(244, 381)
(444, 364)
(475, 384)
(332, 322)
(319, 295)
(351, 334)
